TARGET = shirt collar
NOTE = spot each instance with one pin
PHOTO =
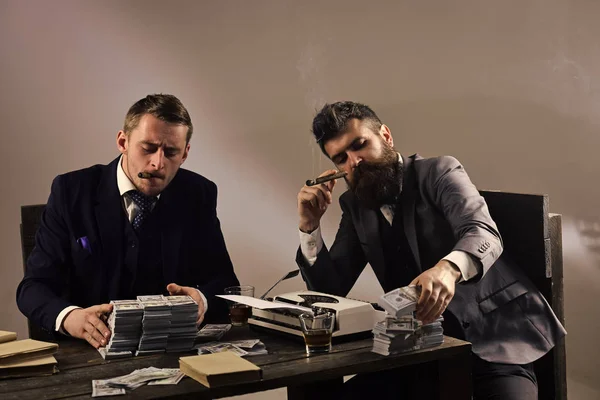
(123, 182)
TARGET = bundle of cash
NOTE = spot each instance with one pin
(398, 335)
(401, 301)
(405, 324)
(140, 377)
(252, 347)
(248, 347)
(394, 343)
(211, 332)
(114, 355)
(182, 331)
(125, 323)
(156, 324)
(432, 334)
(100, 388)
(217, 347)
(173, 380)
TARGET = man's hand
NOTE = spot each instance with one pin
(86, 323)
(176, 290)
(437, 289)
(313, 202)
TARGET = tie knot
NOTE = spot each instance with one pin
(144, 202)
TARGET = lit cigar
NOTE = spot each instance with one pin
(145, 175)
(326, 178)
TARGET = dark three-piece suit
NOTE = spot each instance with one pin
(502, 314)
(87, 253)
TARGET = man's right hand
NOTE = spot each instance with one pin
(86, 323)
(313, 202)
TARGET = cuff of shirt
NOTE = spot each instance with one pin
(60, 318)
(311, 244)
(468, 266)
(204, 300)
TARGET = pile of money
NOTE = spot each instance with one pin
(395, 335)
(139, 377)
(248, 347)
(401, 301)
(401, 331)
(156, 324)
(211, 332)
(431, 335)
(398, 335)
(182, 331)
(100, 389)
(125, 323)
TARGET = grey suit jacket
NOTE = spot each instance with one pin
(502, 313)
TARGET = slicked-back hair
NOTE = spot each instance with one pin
(333, 120)
(165, 107)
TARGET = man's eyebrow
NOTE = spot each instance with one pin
(345, 149)
(167, 148)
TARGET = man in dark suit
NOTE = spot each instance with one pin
(136, 226)
(422, 222)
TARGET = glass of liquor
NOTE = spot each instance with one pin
(317, 329)
(239, 313)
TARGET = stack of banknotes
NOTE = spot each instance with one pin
(243, 348)
(125, 324)
(182, 331)
(151, 324)
(211, 332)
(401, 331)
(155, 324)
(139, 377)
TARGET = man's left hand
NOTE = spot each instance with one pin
(176, 290)
(437, 289)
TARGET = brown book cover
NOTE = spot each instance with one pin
(219, 369)
(6, 336)
(35, 367)
(21, 350)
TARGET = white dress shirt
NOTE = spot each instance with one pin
(125, 185)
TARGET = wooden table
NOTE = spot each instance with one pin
(286, 365)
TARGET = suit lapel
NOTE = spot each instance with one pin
(109, 219)
(409, 195)
(172, 217)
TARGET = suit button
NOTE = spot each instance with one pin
(480, 250)
(466, 324)
(132, 244)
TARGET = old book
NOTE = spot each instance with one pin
(219, 369)
(45, 365)
(6, 336)
(21, 350)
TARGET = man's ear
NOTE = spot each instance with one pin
(122, 142)
(386, 134)
(186, 152)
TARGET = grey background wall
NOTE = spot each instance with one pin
(511, 88)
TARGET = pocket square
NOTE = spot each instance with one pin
(84, 242)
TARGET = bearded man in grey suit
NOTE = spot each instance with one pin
(422, 222)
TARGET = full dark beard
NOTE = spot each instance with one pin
(378, 183)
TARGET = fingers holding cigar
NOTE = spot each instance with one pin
(313, 201)
(323, 185)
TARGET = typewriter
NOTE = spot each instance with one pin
(353, 318)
